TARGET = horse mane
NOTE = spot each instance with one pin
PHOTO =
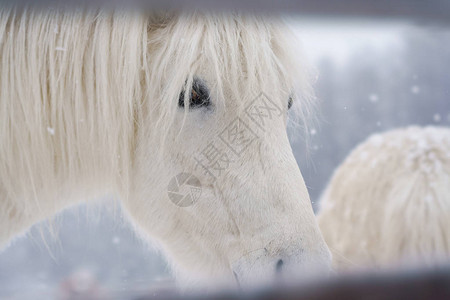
(76, 86)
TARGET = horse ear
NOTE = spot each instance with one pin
(159, 20)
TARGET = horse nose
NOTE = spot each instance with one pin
(279, 266)
(301, 265)
(262, 266)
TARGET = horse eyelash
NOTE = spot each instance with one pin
(199, 96)
(290, 102)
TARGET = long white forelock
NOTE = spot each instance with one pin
(76, 84)
(246, 52)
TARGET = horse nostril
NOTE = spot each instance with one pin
(279, 265)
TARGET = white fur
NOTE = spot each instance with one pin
(89, 106)
(388, 204)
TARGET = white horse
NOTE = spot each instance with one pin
(114, 102)
(388, 204)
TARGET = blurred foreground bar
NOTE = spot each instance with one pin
(411, 285)
(435, 11)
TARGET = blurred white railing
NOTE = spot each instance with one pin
(401, 285)
(434, 11)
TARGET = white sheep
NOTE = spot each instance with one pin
(388, 204)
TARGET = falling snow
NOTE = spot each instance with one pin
(373, 98)
(51, 130)
(415, 89)
(437, 117)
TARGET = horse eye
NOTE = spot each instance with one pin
(290, 102)
(199, 96)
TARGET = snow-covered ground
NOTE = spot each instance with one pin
(371, 77)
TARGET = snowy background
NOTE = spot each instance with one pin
(371, 77)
